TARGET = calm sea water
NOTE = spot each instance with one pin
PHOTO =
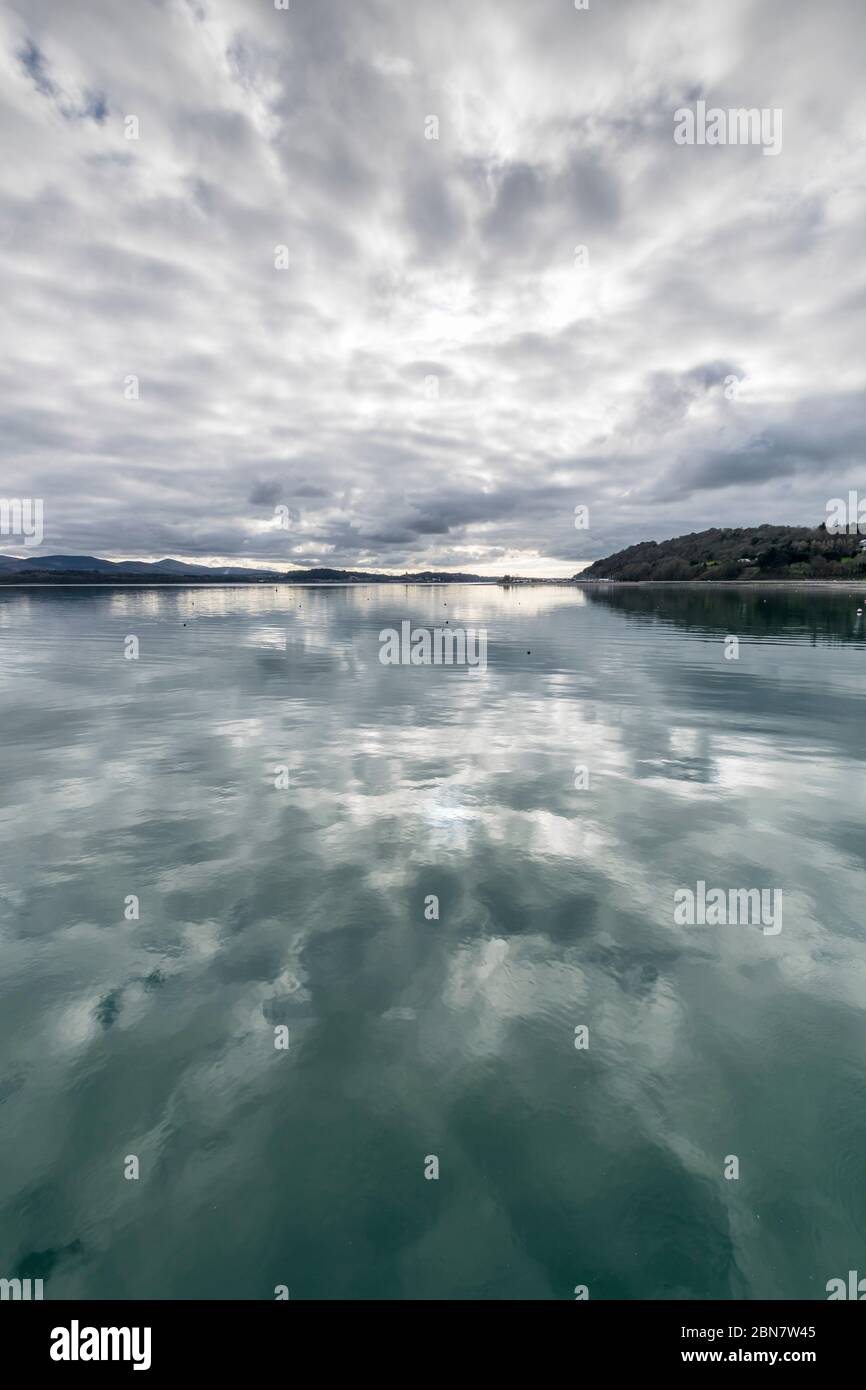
(263, 907)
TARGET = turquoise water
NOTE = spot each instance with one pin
(306, 907)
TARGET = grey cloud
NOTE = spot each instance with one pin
(265, 494)
(593, 191)
(431, 211)
(519, 200)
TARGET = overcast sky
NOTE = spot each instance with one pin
(419, 265)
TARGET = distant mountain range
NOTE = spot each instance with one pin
(89, 569)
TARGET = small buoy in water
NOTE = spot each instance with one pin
(529, 653)
(859, 612)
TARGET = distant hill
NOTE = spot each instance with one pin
(90, 564)
(747, 552)
(89, 569)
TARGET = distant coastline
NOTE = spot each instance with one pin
(795, 557)
(125, 581)
(89, 570)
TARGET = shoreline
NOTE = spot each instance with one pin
(831, 585)
(837, 585)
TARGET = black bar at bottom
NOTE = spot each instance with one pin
(158, 1338)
